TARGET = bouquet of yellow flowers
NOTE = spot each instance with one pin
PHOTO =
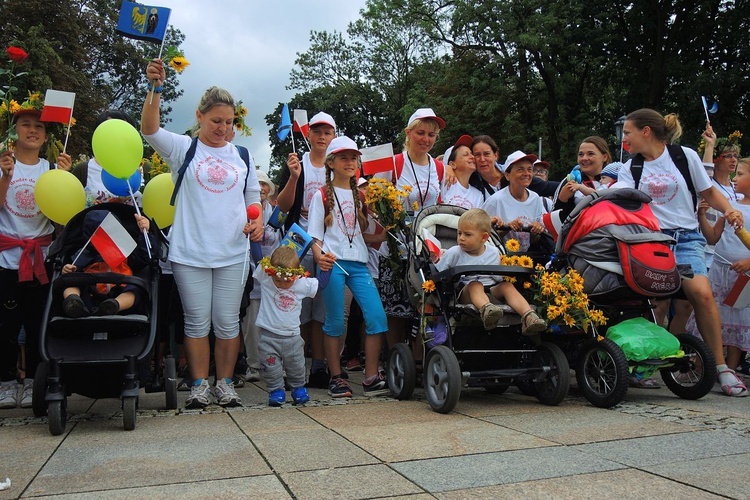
(388, 204)
(560, 300)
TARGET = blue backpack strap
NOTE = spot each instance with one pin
(245, 155)
(181, 172)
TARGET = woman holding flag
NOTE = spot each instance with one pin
(25, 234)
(208, 245)
(656, 170)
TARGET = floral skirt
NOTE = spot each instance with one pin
(396, 302)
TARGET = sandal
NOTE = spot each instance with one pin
(737, 388)
(532, 324)
(643, 383)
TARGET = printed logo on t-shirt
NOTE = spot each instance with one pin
(311, 188)
(284, 300)
(22, 203)
(661, 187)
(459, 201)
(216, 175)
(349, 225)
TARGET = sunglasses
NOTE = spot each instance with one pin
(729, 156)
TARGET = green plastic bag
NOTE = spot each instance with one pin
(641, 339)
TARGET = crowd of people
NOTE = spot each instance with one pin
(270, 309)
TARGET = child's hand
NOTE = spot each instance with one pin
(326, 261)
(143, 222)
(68, 268)
(294, 165)
(434, 257)
(7, 164)
(741, 266)
(64, 162)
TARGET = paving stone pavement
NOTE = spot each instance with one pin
(492, 446)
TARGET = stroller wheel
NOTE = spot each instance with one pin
(693, 377)
(170, 382)
(57, 416)
(602, 373)
(129, 405)
(442, 379)
(402, 372)
(38, 403)
(553, 387)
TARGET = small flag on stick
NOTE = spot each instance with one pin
(112, 241)
(285, 126)
(58, 106)
(739, 295)
(300, 122)
(143, 22)
(377, 159)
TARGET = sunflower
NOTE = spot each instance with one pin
(512, 245)
(179, 63)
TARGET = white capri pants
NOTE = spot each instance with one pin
(210, 296)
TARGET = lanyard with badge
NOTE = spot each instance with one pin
(350, 253)
(422, 197)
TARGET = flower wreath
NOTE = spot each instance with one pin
(240, 114)
(286, 273)
(722, 144)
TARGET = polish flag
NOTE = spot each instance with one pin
(377, 159)
(433, 244)
(58, 106)
(300, 122)
(112, 241)
(739, 296)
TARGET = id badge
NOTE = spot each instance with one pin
(350, 254)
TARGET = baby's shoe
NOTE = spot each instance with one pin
(491, 314)
(300, 396)
(109, 307)
(73, 306)
(532, 324)
(277, 397)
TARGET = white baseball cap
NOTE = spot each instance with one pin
(516, 156)
(361, 182)
(342, 143)
(426, 114)
(322, 119)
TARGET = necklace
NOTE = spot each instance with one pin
(422, 196)
(731, 196)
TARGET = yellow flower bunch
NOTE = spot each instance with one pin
(517, 260)
(560, 299)
(158, 166)
(387, 203)
(240, 113)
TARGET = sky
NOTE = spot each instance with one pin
(248, 47)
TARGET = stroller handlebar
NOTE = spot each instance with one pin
(454, 274)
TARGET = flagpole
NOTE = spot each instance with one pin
(337, 264)
(291, 133)
(705, 108)
(161, 49)
(138, 211)
(81, 251)
(67, 132)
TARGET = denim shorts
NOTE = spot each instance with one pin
(690, 249)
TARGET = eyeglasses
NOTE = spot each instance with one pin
(729, 156)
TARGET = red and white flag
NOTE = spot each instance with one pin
(739, 296)
(58, 106)
(112, 241)
(300, 122)
(377, 159)
(433, 244)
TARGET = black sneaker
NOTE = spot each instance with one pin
(339, 388)
(73, 307)
(109, 307)
(377, 388)
(319, 379)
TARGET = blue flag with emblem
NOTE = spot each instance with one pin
(143, 22)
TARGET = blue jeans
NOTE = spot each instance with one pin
(363, 288)
(690, 249)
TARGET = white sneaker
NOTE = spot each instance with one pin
(8, 395)
(200, 396)
(225, 393)
(252, 375)
(27, 395)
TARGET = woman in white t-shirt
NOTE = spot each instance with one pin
(208, 240)
(647, 133)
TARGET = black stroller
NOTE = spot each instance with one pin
(600, 239)
(459, 352)
(99, 356)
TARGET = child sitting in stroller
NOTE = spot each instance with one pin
(103, 299)
(474, 228)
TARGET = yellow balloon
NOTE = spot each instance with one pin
(156, 196)
(59, 195)
(118, 148)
